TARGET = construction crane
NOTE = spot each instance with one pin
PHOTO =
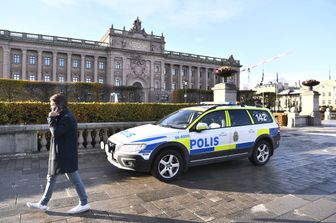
(248, 69)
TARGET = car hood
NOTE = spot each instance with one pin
(143, 134)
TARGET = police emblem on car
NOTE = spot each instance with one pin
(195, 136)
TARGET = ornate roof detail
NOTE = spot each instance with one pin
(137, 27)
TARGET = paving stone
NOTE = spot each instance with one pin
(296, 216)
(161, 194)
(285, 204)
(320, 209)
(331, 219)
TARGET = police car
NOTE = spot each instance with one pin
(195, 136)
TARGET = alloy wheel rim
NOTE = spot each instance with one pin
(169, 166)
(262, 153)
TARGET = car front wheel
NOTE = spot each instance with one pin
(261, 153)
(167, 166)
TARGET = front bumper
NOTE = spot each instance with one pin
(129, 162)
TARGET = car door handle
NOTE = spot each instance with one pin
(251, 131)
(223, 134)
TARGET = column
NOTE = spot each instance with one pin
(182, 78)
(6, 62)
(54, 70)
(151, 87)
(69, 79)
(206, 78)
(171, 76)
(39, 65)
(162, 75)
(124, 76)
(95, 69)
(24, 64)
(197, 78)
(109, 72)
(189, 76)
(82, 76)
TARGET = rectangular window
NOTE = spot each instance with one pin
(75, 79)
(239, 118)
(16, 76)
(118, 65)
(101, 65)
(61, 79)
(32, 60)
(47, 77)
(75, 63)
(17, 58)
(157, 69)
(117, 82)
(173, 71)
(61, 62)
(88, 79)
(329, 102)
(101, 81)
(88, 64)
(46, 61)
(260, 116)
(173, 86)
(329, 93)
(31, 77)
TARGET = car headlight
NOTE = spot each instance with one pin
(130, 148)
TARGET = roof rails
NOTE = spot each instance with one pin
(217, 105)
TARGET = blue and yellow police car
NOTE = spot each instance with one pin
(195, 136)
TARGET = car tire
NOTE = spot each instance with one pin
(167, 166)
(261, 153)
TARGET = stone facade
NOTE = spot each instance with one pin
(121, 58)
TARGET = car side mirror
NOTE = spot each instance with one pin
(201, 126)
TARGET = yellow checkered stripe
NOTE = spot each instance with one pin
(225, 147)
(263, 132)
(184, 141)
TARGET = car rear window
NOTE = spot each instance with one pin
(260, 116)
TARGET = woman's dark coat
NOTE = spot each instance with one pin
(63, 156)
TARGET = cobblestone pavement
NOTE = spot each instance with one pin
(297, 185)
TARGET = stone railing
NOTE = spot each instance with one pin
(15, 139)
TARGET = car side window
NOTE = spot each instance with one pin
(260, 116)
(239, 117)
(214, 119)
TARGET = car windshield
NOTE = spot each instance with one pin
(179, 119)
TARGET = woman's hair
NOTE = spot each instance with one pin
(60, 100)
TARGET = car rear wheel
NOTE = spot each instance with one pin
(261, 153)
(167, 166)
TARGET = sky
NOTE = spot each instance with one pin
(302, 32)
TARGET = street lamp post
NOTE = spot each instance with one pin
(185, 91)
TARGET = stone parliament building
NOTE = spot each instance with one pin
(121, 58)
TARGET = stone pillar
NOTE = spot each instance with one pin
(197, 78)
(124, 74)
(310, 107)
(189, 76)
(82, 73)
(69, 79)
(24, 64)
(108, 68)
(95, 69)
(6, 62)
(39, 65)
(327, 114)
(224, 93)
(181, 80)
(54, 66)
(162, 76)
(171, 76)
(206, 81)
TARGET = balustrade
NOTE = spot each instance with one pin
(36, 138)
